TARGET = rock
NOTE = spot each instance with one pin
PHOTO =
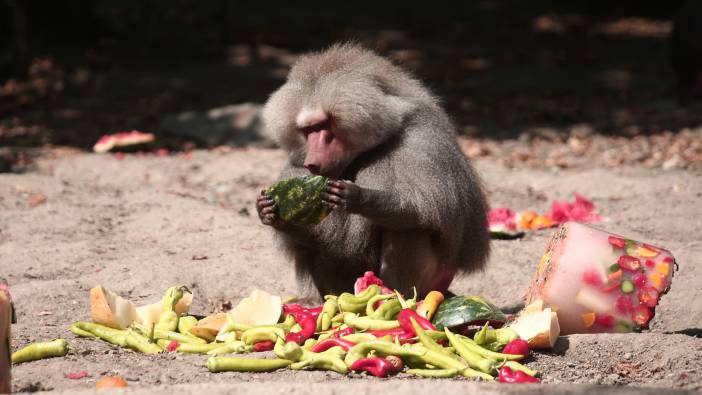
(238, 125)
(627, 356)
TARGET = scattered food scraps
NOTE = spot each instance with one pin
(123, 141)
(506, 223)
(108, 382)
(77, 375)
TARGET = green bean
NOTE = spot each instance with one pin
(233, 364)
(366, 323)
(435, 373)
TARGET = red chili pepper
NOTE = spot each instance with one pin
(172, 346)
(406, 324)
(512, 377)
(266, 345)
(326, 344)
(517, 347)
(295, 308)
(343, 332)
(378, 367)
(397, 334)
(308, 322)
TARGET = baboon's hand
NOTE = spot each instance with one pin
(342, 195)
(267, 210)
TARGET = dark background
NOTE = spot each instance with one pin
(71, 71)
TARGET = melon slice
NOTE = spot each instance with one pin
(123, 140)
(260, 308)
(208, 327)
(149, 314)
(6, 314)
(538, 326)
(109, 309)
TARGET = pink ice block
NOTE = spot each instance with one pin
(600, 282)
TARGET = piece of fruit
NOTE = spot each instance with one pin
(614, 280)
(605, 320)
(109, 309)
(6, 318)
(648, 251)
(260, 308)
(641, 315)
(616, 241)
(460, 310)
(110, 382)
(629, 263)
(150, 314)
(542, 222)
(538, 327)
(588, 319)
(627, 287)
(592, 277)
(299, 200)
(648, 296)
(208, 327)
(131, 140)
(639, 280)
(524, 219)
(593, 300)
(623, 304)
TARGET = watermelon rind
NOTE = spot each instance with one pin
(460, 310)
(299, 200)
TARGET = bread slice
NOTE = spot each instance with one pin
(539, 327)
(109, 309)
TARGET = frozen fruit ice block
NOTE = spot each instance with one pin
(600, 282)
(5, 321)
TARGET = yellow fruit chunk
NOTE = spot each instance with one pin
(525, 218)
(542, 222)
(588, 319)
(663, 269)
(646, 252)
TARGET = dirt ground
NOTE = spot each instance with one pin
(144, 222)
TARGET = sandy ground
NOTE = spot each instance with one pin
(142, 223)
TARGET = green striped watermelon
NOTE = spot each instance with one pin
(299, 200)
(460, 310)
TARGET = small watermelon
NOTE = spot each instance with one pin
(299, 200)
(460, 310)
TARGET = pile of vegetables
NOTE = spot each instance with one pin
(374, 330)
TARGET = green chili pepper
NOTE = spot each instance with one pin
(370, 305)
(474, 360)
(367, 323)
(130, 338)
(360, 337)
(185, 323)
(233, 364)
(381, 348)
(357, 303)
(262, 333)
(40, 350)
(388, 311)
(495, 356)
(435, 373)
(287, 324)
(189, 348)
(329, 310)
(234, 347)
(168, 320)
(324, 362)
(441, 360)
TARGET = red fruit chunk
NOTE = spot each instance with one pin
(614, 280)
(369, 278)
(641, 315)
(639, 280)
(616, 241)
(648, 296)
(668, 259)
(592, 277)
(629, 263)
(77, 375)
(623, 304)
(605, 320)
(650, 263)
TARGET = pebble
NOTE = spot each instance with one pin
(627, 356)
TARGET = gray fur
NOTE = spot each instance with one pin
(423, 213)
